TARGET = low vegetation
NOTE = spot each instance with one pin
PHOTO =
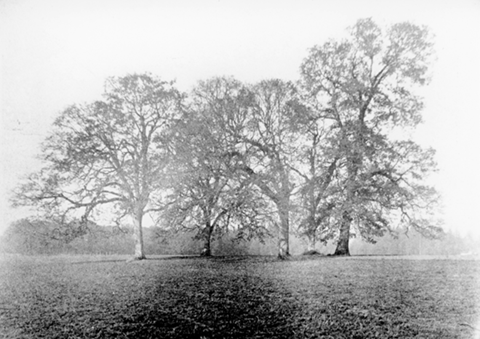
(249, 297)
(35, 238)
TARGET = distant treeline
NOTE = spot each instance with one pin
(40, 238)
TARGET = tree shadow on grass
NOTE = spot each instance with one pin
(210, 299)
(237, 258)
(97, 261)
(123, 260)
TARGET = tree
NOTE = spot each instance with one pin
(270, 145)
(206, 192)
(260, 125)
(30, 237)
(251, 123)
(364, 87)
(316, 166)
(106, 158)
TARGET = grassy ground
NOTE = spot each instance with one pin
(254, 297)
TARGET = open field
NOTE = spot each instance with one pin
(246, 297)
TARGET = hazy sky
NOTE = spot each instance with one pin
(56, 53)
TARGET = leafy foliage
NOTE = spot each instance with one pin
(363, 87)
(319, 154)
(207, 192)
(110, 152)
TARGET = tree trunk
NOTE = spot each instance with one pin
(283, 232)
(312, 242)
(207, 248)
(344, 238)
(138, 235)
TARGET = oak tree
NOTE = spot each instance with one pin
(254, 124)
(206, 192)
(365, 87)
(271, 143)
(104, 160)
(316, 166)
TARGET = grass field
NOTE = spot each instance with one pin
(242, 297)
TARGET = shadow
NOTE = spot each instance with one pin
(377, 255)
(173, 257)
(128, 260)
(223, 259)
(220, 258)
(213, 298)
(97, 261)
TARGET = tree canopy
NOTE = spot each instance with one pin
(110, 152)
(325, 154)
(364, 86)
(207, 191)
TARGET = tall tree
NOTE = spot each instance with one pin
(106, 158)
(364, 85)
(270, 143)
(255, 122)
(207, 194)
(316, 167)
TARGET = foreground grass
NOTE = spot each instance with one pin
(362, 297)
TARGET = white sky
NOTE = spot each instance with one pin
(56, 53)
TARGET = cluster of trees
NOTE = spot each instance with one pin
(30, 237)
(318, 155)
(413, 243)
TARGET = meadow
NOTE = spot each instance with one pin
(242, 297)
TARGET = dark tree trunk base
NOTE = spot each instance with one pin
(284, 257)
(206, 253)
(344, 238)
(341, 253)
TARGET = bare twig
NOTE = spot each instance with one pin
(468, 325)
